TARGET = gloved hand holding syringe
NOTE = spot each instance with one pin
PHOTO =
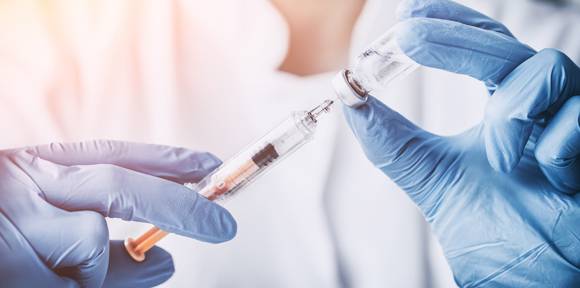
(240, 170)
(382, 62)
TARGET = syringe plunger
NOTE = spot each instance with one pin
(245, 167)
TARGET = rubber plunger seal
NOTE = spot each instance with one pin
(345, 92)
(130, 246)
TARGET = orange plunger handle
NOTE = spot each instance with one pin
(137, 247)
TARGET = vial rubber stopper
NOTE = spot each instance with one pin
(346, 92)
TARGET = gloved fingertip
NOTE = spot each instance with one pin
(161, 265)
(411, 8)
(413, 37)
(208, 161)
(199, 160)
(123, 271)
(210, 222)
(192, 165)
(357, 116)
(227, 228)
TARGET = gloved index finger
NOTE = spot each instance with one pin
(449, 10)
(459, 48)
(121, 193)
(176, 164)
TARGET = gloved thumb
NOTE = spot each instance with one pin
(482, 54)
(529, 95)
(558, 148)
(125, 272)
(410, 156)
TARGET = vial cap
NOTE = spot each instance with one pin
(346, 92)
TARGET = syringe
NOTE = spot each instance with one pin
(382, 62)
(246, 166)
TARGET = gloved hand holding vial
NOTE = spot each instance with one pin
(501, 197)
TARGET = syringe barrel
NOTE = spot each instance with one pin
(243, 168)
(258, 158)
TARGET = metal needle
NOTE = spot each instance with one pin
(320, 109)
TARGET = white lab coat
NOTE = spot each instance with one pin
(201, 74)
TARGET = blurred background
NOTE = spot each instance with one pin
(215, 75)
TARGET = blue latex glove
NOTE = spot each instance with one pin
(54, 200)
(507, 224)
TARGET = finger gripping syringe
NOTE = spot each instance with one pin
(246, 166)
